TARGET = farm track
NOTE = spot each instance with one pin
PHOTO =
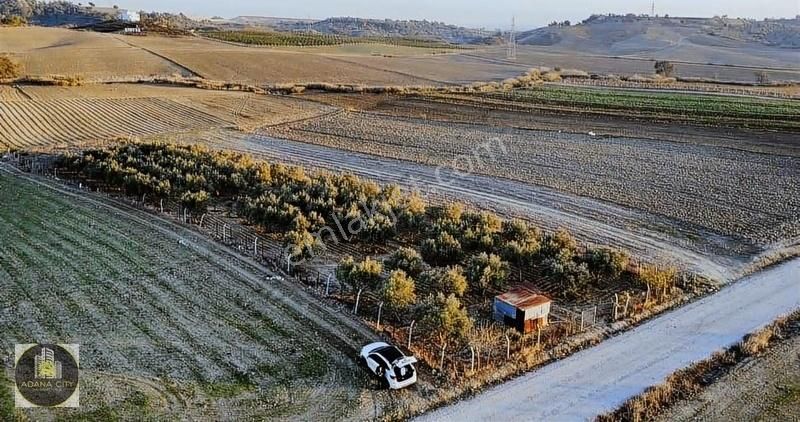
(180, 305)
(591, 220)
(172, 61)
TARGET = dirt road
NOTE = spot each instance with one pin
(592, 220)
(602, 377)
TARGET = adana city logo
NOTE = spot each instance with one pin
(46, 375)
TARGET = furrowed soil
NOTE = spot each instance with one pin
(170, 325)
(691, 187)
(43, 116)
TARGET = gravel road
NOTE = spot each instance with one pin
(602, 377)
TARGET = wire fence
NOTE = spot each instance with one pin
(489, 343)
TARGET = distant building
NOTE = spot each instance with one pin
(128, 16)
(522, 308)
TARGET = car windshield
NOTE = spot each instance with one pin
(390, 353)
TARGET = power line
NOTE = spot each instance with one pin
(512, 40)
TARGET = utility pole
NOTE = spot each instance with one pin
(512, 40)
(653, 9)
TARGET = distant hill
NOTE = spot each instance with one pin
(356, 27)
(617, 34)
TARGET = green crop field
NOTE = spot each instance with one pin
(286, 39)
(691, 106)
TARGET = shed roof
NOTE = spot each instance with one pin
(523, 297)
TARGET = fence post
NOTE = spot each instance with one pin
(410, 331)
(472, 360)
(358, 298)
(508, 347)
(441, 359)
(328, 284)
(538, 336)
(380, 308)
(616, 306)
(627, 302)
(255, 246)
(581, 320)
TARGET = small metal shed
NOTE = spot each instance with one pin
(522, 308)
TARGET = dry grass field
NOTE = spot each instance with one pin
(92, 56)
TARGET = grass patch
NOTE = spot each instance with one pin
(312, 364)
(790, 394)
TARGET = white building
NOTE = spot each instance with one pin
(127, 16)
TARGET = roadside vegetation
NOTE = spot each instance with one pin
(287, 39)
(689, 382)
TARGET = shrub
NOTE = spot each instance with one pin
(560, 245)
(657, 278)
(365, 274)
(8, 68)
(301, 245)
(574, 278)
(399, 292)
(406, 259)
(195, 201)
(442, 250)
(607, 262)
(485, 271)
(480, 229)
(443, 318)
(664, 68)
(449, 281)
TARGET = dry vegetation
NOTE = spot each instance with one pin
(9, 69)
(689, 382)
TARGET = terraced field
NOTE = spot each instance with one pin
(160, 311)
(693, 186)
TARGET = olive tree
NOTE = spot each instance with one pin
(485, 271)
(399, 291)
(406, 259)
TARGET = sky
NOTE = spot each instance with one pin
(472, 13)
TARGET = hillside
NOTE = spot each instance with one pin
(624, 34)
(356, 27)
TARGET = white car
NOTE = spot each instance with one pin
(390, 363)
